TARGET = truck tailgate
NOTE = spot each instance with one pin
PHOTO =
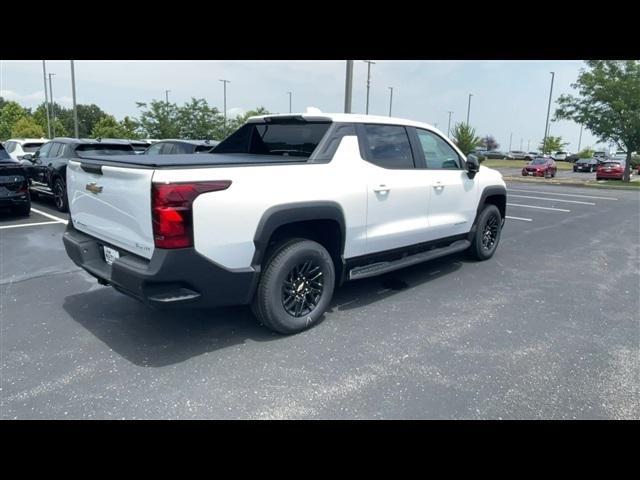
(112, 204)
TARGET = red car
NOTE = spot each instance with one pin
(610, 170)
(540, 167)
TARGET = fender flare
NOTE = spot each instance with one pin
(489, 191)
(283, 214)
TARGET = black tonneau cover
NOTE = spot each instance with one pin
(190, 160)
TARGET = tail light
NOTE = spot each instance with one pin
(172, 211)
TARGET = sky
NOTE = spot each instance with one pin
(509, 99)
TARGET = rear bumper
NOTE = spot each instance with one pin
(180, 277)
(10, 201)
(613, 176)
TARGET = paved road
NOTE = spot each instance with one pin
(546, 329)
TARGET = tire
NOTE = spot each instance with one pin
(60, 195)
(478, 249)
(277, 303)
(25, 210)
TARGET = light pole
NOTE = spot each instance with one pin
(73, 92)
(546, 125)
(224, 83)
(580, 139)
(511, 138)
(528, 144)
(469, 108)
(348, 86)
(53, 108)
(166, 99)
(46, 98)
(289, 101)
(390, 99)
(368, 62)
(449, 125)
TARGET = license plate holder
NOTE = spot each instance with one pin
(110, 255)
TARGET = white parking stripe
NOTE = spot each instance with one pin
(539, 208)
(28, 225)
(553, 199)
(48, 215)
(519, 218)
(562, 194)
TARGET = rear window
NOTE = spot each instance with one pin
(297, 139)
(3, 154)
(31, 147)
(612, 164)
(104, 149)
(203, 148)
(538, 161)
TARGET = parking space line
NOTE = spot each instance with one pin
(539, 208)
(48, 215)
(519, 218)
(553, 199)
(29, 224)
(562, 194)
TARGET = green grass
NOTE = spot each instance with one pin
(634, 183)
(520, 163)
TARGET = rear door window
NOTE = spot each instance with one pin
(388, 146)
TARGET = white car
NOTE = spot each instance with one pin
(18, 147)
(282, 211)
(560, 156)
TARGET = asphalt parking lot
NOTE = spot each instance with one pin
(548, 328)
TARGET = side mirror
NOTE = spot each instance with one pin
(27, 156)
(473, 165)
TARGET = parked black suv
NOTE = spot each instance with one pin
(47, 168)
(14, 187)
(171, 147)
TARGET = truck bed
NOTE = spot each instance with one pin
(191, 160)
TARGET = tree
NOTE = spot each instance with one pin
(490, 143)
(464, 136)
(607, 104)
(239, 120)
(27, 127)
(108, 127)
(159, 119)
(198, 121)
(586, 153)
(131, 128)
(11, 112)
(554, 144)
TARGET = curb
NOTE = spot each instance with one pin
(569, 183)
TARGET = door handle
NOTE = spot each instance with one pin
(438, 186)
(381, 189)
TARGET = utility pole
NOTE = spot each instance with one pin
(449, 126)
(289, 101)
(368, 62)
(546, 126)
(224, 83)
(469, 108)
(75, 110)
(53, 108)
(511, 138)
(580, 140)
(46, 98)
(390, 99)
(348, 87)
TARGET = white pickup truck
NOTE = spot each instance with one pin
(283, 211)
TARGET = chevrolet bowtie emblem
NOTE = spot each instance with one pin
(93, 188)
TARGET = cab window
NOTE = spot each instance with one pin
(438, 154)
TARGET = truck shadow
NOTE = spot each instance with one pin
(158, 338)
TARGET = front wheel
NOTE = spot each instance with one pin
(60, 195)
(489, 226)
(296, 286)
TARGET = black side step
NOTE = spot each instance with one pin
(384, 267)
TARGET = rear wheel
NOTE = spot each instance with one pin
(60, 195)
(296, 286)
(487, 236)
